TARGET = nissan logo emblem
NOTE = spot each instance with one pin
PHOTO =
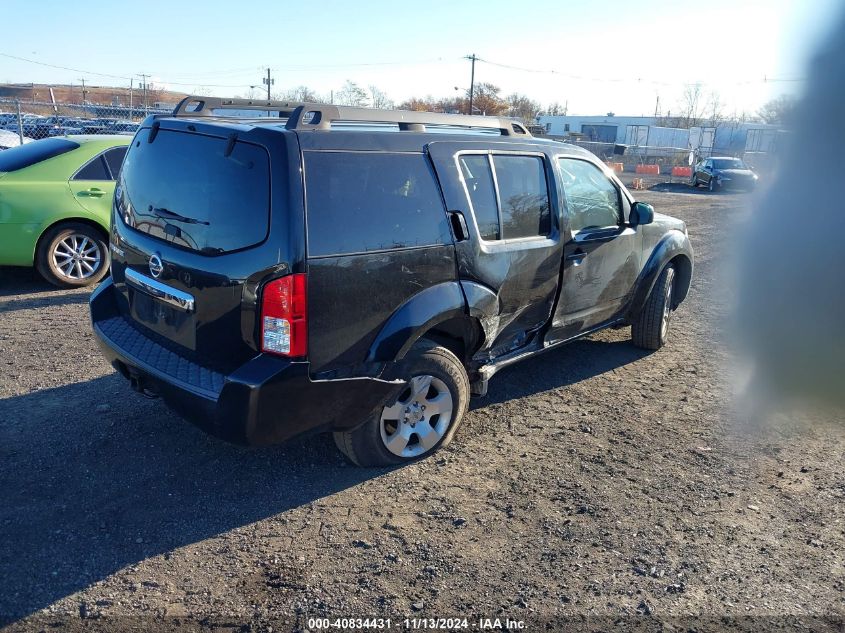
(156, 267)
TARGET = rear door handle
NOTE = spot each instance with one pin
(94, 192)
(459, 226)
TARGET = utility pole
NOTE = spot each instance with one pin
(82, 79)
(20, 124)
(472, 58)
(657, 107)
(144, 79)
(131, 80)
(269, 82)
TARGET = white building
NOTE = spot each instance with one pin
(601, 129)
(729, 137)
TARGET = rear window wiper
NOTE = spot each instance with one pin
(167, 214)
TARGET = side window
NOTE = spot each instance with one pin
(94, 170)
(478, 177)
(523, 195)
(114, 159)
(592, 199)
(367, 201)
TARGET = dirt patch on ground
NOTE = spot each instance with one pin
(595, 481)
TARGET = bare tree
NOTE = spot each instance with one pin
(779, 110)
(300, 93)
(351, 95)
(522, 107)
(555, 109)
(486, 100)
(379, 99)
(691, 105)
(714, 110)
(419, 104)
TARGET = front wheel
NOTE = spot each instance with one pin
(712, 186)
(72, 255)
(651, 328)
(421, 419)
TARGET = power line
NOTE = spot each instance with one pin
(91, 72)
(76, 70)
(765, 79)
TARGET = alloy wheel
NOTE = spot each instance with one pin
(76, 257)
(419, 418)
(667, 303)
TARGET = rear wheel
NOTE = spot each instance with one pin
(421, 419)
(651, 328)
(72, 255)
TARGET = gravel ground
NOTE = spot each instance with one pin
(596, 481)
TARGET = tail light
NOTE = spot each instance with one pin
(283, 323)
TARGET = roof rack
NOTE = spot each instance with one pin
(193, 106)
(319, 116)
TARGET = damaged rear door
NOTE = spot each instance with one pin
(502, 202)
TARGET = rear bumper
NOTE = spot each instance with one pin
(266, 400)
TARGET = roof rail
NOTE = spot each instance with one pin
(320, 116)
(312, 116)
(194, 106)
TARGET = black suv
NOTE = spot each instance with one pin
(364, 271)
(723, 173)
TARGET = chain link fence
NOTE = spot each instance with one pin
(26, 121)
(632, 155)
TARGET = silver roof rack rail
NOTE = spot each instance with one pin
(320, 116)
(193, 106)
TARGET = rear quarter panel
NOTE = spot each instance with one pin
(351, 298)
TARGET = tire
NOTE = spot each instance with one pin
(651, 328)
(694, 181)
(711, 186)
(72, 255)
(385, 441)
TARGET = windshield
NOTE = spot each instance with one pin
(196, 192)
(728, 163)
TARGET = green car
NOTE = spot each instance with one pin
(55, 203)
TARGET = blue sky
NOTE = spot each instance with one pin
(607, 55)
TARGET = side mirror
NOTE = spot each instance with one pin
(641, 213)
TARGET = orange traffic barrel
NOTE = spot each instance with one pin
(653, 170)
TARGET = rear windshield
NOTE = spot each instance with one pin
(195, 191)
(25, 155)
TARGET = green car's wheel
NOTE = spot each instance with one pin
(72, 255)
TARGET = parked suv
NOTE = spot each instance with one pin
(365, 271)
